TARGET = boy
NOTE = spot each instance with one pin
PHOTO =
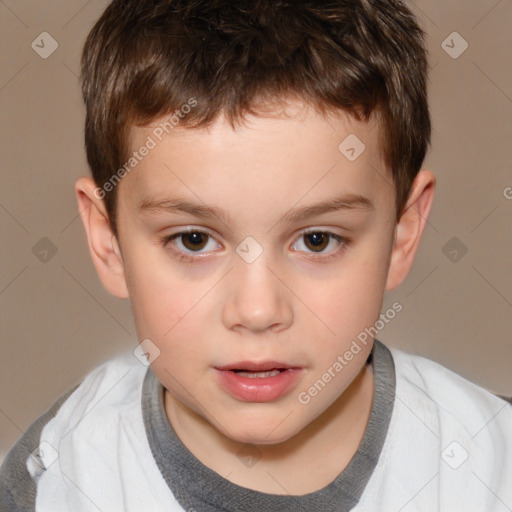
(256, 189)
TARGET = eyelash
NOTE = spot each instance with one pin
(185, 257)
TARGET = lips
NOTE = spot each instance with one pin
(264, 381)
(253, 366)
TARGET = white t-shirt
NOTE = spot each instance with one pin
(434, 442)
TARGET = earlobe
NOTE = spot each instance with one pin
(409, 229)
(103, 245)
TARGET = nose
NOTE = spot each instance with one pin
(257, 299)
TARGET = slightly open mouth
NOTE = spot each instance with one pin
(255, 375)
(260, 385)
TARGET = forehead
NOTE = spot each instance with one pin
(270, 160)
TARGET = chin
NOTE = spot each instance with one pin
(262, 431)
(256, 438)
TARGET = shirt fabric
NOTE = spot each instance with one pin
(434, 441)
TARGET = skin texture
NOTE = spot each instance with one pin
(293, 304)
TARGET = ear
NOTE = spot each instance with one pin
(103, 245)
(410, 227)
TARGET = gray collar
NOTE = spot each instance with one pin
(198, 487)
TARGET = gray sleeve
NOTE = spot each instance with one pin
(17, 489)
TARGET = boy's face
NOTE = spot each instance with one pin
(301, 302)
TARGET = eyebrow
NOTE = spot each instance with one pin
(179, 205)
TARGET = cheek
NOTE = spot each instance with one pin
(171, 311)
(345, 307)
(349, 300)
(172, 320)
(161, 300)
(166, 311)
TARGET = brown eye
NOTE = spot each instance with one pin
(191, 245)
(194, 240)
(316, 240)
(321, 243)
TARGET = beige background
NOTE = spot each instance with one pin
(58, 322)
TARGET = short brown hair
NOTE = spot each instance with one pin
(144, 59)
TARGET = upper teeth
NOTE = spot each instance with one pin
(253, 375)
